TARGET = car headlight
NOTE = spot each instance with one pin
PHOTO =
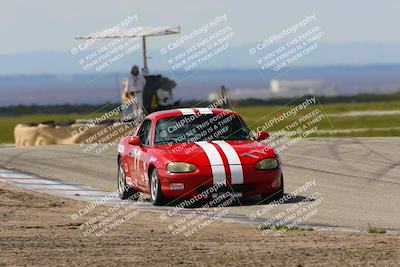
(267, 164)
(180, 167)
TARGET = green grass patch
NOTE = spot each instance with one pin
(384, 121)
(328, 108)
(376, 231)
(367, 133)
(258, 116)
(280, 227)
(255, 116)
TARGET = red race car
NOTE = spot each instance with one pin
(182, 153)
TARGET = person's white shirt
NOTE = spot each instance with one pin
(136, 83)
(164, 97)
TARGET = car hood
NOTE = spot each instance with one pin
(205, 153)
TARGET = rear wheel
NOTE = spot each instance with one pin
(276, 195)
(125, 191)
(156, 194)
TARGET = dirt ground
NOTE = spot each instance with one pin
(37, 230)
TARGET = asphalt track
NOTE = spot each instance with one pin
(358, 179)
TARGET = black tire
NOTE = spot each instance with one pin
(156, 195)
(276, 195)
(124, 191)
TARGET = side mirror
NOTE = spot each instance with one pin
(135, 141)
(261, 136)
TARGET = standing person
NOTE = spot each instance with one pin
(164, 94)
(134, 92)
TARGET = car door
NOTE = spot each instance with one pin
(134, 155)
(141, 156)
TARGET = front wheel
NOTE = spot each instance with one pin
(156, 195)
(125, 191)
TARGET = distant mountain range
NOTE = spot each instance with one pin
(57, 77)
(238, 57)
(102, 88)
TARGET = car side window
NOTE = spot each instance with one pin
(144, 132)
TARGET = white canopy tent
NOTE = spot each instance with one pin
(141, 32)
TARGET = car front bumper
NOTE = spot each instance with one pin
(189, 185)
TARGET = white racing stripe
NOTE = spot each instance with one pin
(235, 165)
(134, 159)
(137, 164)
(187, 111)
(136, 156)
(204, 111)
(216, 162)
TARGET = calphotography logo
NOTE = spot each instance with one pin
(199, 47)
(299, 40)
(96, 55)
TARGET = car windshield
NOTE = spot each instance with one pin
(192, 128)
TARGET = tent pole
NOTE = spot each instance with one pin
(144, 52)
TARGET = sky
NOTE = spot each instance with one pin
(48, 25)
